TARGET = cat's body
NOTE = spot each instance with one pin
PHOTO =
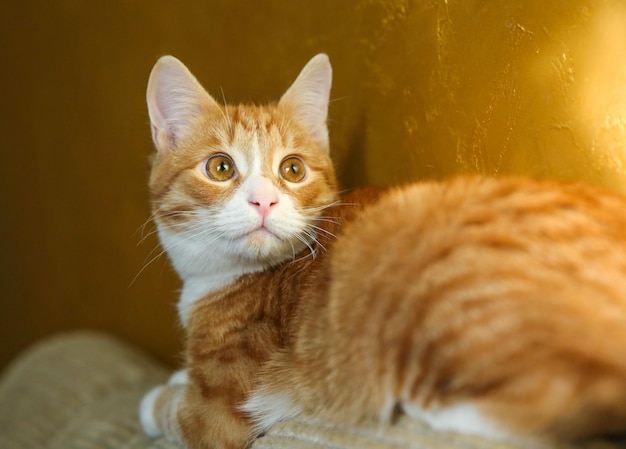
(494, 307)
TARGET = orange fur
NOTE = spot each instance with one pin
(510, 294)
(506, 294)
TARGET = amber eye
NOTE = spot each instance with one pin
(219, 168)
(292, 169)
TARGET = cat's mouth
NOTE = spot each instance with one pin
(262, 241)
(262, 232)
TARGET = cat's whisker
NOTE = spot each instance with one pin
(306, 242)
(155, 249)
(313, 237)
(174, 226)
(311, 254)
(319, 208)
(200, 232)
(175, 214)
(323, 230)
(326, 206)
(147, 236)
(141, 229)
(327, 220)
(156, 252)
(293, 250)
(147, 264)
(150, 221)
(225, 113)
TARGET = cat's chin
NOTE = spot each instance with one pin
(264, 244)
(263, 240)
(263, 233)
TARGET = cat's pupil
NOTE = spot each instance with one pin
(223, 167)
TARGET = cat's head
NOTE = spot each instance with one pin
(238, 184)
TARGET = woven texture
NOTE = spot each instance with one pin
(81, 391)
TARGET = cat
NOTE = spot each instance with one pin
(494, 307)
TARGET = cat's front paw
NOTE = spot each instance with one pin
(158, 411)
(147, 410)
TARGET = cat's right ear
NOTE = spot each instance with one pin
(176, 100)
(308, 98)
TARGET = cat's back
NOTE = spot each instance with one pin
(479, 220)
(486, 236)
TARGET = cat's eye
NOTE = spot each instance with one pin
(219, 168)
(292, 169)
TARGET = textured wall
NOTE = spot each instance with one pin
(422, 89)
(498, 87)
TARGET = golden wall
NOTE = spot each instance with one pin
(422, 89)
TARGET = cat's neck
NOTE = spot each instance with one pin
(202, 272)
(197, 286)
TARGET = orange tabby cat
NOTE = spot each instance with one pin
(493, 307)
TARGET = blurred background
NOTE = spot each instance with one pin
(422, 89)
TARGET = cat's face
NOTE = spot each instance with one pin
(238, 183)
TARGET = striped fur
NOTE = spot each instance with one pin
(489, 306)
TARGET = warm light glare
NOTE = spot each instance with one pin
(602, 83)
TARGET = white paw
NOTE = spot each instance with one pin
(146, 413)
(178, 378)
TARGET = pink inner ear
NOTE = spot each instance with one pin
(320, 134)
(175, 98)
(308, 96)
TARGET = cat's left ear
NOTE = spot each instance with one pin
(308, 98)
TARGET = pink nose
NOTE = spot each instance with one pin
(262, 195)
(263, 204)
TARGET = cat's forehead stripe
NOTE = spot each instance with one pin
(257, 133)
(254, 118)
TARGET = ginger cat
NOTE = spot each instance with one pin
(492, 307)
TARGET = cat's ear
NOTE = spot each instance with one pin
(308, 98)
(175, 102)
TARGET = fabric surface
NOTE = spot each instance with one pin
(82, 390)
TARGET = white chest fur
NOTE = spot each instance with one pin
(202, 271)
